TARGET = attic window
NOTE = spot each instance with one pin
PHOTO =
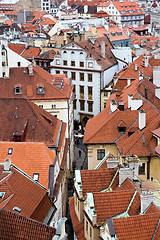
(113, 34)
(40, 90)
(2, 194)
(10, 150)
(17, 209)
(64, 52)
(72, 52)
(18, 90)
(36, 176)
(81, 53)
(130, 133)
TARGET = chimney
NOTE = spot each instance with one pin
(113, 106)
(146, 63)
(128, 82)
(125, 173)
(30, 69)
(136, 68)
(103, 49)
(140, 76)
(156, 74)
(130, 96)
(106, 26)
(7, 164)
(146, 199)
(85, 8)
(136, 103)
(112, 162)
(157, 92)
(142, 119)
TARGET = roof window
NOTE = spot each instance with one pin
(2, 194)
(40, 89)
(36, 176)
(10, 150)
(17, 209)
(18, 89)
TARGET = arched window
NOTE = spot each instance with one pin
(18, 89)
(72, 52)
(81, 53)
(64, 52)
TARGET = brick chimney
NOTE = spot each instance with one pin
(7, 164)
(142, 119)
(146, 199)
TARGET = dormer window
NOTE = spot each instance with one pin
(10, 150)
(18, 89)
(40, 89)
(36, 176)
(121, 127)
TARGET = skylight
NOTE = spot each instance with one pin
(35, 176)
(10, 150)
(17, 209)
(2, 194)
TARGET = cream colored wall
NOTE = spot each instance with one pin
(95, 231)
(79, 212)
(59, 39)
(155, 168)
(92, 153)
(141, 176)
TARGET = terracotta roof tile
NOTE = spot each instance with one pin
(31, 52)
(18, 48)
(23, 192)
(96, 180)
(32, 125)
(30, 158)
(77, 226)
(110, 204)
(15, 226)
(95, 51)
(152, 209)
(137, 227)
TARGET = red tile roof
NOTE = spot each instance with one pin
(24, 193)
(30, 83)
(137, 227)
(31, 52)
(96, 180)
(33, 125)
(18, 48)
(30, 158)
(110, 204)
(15, 226)
(95, 51)
(77, 226)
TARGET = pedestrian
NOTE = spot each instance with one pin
(79, 153)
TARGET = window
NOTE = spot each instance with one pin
(142, 169)
(121, 129)
(89, 77)
(86, 226)
(82, 108)
(73, 75)
(66, 73)
(18, 64)
(53, 106)
(105, 94)
(57, 72)
(90, 64)
(81, 53)
(81, 89)
(89, 90)
(72, 52)
(100, 154)
(10, 150)
(65, 62)
(73, 63)
(41, 106)
(3, 53)
(2, 194)
(40, 90)
(81, 76)
(75, 104)
(81, 64)
(3, 64)
(90, 106)
(3, 74)
(18, 90)
(105, 105)
(57, 62)
(35, 176)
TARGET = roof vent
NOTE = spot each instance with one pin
(2, 194)
(17, 209)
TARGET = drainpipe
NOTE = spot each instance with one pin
(148, 167)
